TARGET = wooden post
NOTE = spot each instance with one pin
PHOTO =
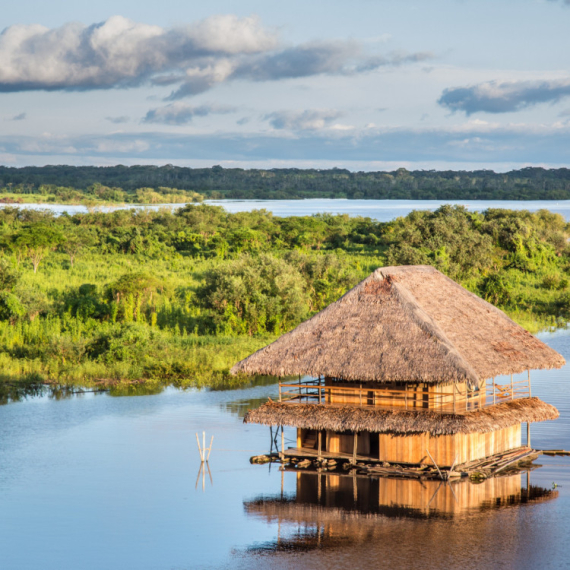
(354, 447)
(494, 391)
(300, 398)
(279, 391)
(528, 434)
(454, 387)
(512, 389)
(406, 395)
(529, 388)
(360, 394)
(282, 444)
(319, 388)
(320, 446)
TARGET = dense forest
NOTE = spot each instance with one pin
(148, 184)
(147, 297)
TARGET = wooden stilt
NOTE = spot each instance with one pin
(494, 393)
(319, 453)
(355, 447)
(528, 434)
(512, 389)
(282, 444)
(529, 388)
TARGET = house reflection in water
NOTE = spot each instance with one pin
(339, 509)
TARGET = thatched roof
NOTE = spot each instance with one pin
(352, 418)
(405, 324)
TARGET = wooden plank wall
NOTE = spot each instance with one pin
(418, 395)
(446, 449)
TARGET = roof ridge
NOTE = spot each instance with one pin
(426, 323)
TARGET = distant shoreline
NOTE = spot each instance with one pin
(151, 184)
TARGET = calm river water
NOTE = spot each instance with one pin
(382, 210)
(101, 482)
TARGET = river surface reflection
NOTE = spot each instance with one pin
(102, 482)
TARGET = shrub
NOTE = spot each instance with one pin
(254, 295)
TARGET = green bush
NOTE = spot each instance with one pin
(254, 295)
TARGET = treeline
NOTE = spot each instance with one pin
(179, 297)
(95, 194)
(121, 183)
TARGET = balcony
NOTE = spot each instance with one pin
(446, 398)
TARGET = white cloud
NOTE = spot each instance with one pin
(180, 114)
(504, 96)
(309, 120)
(120, 53)
(118, 120)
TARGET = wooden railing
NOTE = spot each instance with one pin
(451, 398)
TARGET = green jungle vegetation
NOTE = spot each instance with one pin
(138, 299)
(164, 184)
(94, 195)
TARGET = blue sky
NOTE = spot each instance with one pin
(364, 85)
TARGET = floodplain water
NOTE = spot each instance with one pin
(95, 482)
(380, 210)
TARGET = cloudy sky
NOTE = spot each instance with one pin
(364, 85)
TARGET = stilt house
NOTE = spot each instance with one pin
(404, 368)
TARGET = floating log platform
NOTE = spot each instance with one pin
(297, 459)
(555, 452)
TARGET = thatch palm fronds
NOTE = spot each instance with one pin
(348, 418)
(405, 324)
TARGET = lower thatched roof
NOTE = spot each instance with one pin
(352, 418)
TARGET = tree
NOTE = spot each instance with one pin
(75, 241)
(130, 291)
(38, 241)
(254, 295)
